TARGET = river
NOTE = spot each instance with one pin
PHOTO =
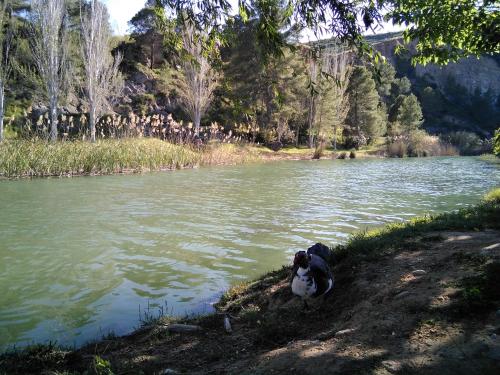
(83, 257)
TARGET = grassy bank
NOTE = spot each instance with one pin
(490, 158)
(377, 242)
(41, 159)
(378, 303)
(35, 158)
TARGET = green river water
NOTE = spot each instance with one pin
(83, 257)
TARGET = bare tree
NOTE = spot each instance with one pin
(6, 44)
(102, 76)
(49, 45)
(198, 79)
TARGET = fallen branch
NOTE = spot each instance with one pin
(183, 328)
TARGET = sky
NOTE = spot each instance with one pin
(121, 11)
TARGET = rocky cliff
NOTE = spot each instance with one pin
(473, 74)
(467, 92)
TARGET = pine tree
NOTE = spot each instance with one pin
(148, 33)
(401, 86)
(385, 76)
(363, 116)
(410, 113)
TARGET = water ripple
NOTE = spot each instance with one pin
(78, 257)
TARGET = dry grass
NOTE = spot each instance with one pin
(228, 154)
(419, 144)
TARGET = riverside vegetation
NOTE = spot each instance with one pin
(437, 304)
(321, 94)
(38, 158)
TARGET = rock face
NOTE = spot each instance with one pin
(472, 73)
(464, 95)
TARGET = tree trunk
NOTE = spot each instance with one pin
(1, 110)
(278, 131)
(312, 114)
(356, 113)
(197, 120)
(297, 135)
(335, 137)
(92, 121)
(53, 119)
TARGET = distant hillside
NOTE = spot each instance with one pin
(460, 96)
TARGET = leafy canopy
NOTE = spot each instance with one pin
(443, 30)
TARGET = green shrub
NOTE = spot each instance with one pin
(101, 367)
(142, 102)
(10, 133)
(467, 143)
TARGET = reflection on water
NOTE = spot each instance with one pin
(80, 256)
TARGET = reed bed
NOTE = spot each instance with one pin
(36, 158)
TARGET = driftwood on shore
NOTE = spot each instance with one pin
(182, 328)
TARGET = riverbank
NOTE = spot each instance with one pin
(36, 158)
(490, 158)
(411, 298)
(24, 158)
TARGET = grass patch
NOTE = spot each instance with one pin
(37, 158)
(492, 197)
(37, 359)
(490, 158)
(244, 293)
(394, 236)
(297, 150)
(41, 159)
(480, 293)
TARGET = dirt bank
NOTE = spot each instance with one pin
(404, 311)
